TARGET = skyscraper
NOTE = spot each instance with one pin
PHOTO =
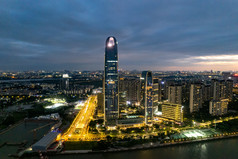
(111, 81)
(147, 95)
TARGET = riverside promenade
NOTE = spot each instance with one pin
(153, 144)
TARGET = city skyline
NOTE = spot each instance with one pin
(166, 36)
(112, 79)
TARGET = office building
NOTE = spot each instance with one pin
(147, 96)
(111, 107)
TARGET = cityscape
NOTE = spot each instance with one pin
(119, 102)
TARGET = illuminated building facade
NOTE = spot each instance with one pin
(218, 107)
(156, 91)
(147, 96)
(222, 89)
(172, 112)
(111, 94)
(122, 103)
(100, 103)
(195, 97)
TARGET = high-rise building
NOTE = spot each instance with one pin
(155, 91)
(147, 96)
(195, 97)
(172, 112)
(132, 87)
(218, 107)
(100, 103)
(111, 80)
(229, 89)
(206, 91)
(64, 82)
(175, 94)
(218, 89)
(186, 92)
(160, 88)
(122, 102)
(166, 87)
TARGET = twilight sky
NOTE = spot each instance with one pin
(152, 34)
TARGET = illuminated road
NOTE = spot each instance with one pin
(217, 121)
(78, 130)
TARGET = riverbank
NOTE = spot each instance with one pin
(221, 149)
(150, 145)
(146, 146)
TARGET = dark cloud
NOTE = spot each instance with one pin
(157, 35)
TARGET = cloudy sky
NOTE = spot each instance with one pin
(152, 34)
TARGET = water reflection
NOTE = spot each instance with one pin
(20, 133)
(219, 149)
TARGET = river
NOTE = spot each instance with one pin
(20, 133)
(217, 149)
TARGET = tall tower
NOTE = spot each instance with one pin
(147, 96)
(111, 95)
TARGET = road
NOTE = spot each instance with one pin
(78, 130)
